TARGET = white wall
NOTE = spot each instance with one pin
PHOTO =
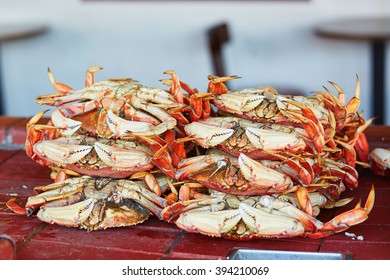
(272, 43)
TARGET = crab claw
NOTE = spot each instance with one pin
(61, 153)
(259, 175)
(70, 215)
(354, 103)
(176, 89)
(207, 135)
(67, 125)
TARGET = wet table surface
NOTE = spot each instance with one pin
(155, 239)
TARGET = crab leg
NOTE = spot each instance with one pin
(196, 164)
(89, 75)
(298, 170)
(142, 195)
(36, 133)
(16, 208)
(312, 127)
(216, 84)
(347, 219)
(354, 103)
(162, 115)
(338, 109)
(59, 190)
(347, 173)
(304, 200)
(137, 115)
(176, 89)
(161, 157)
(62, 89)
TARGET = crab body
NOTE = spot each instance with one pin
(235, 136)
(245, 218)
(93, 203)
(242, 176)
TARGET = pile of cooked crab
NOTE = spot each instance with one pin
(238, 164)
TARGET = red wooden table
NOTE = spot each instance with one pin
(158, 240)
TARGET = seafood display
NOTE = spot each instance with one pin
(237, 164)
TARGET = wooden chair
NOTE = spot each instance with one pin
(218, 36)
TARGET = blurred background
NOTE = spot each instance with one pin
(271, 43)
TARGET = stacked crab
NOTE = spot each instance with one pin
(272, 162)
(96, 139)
(262, 165)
